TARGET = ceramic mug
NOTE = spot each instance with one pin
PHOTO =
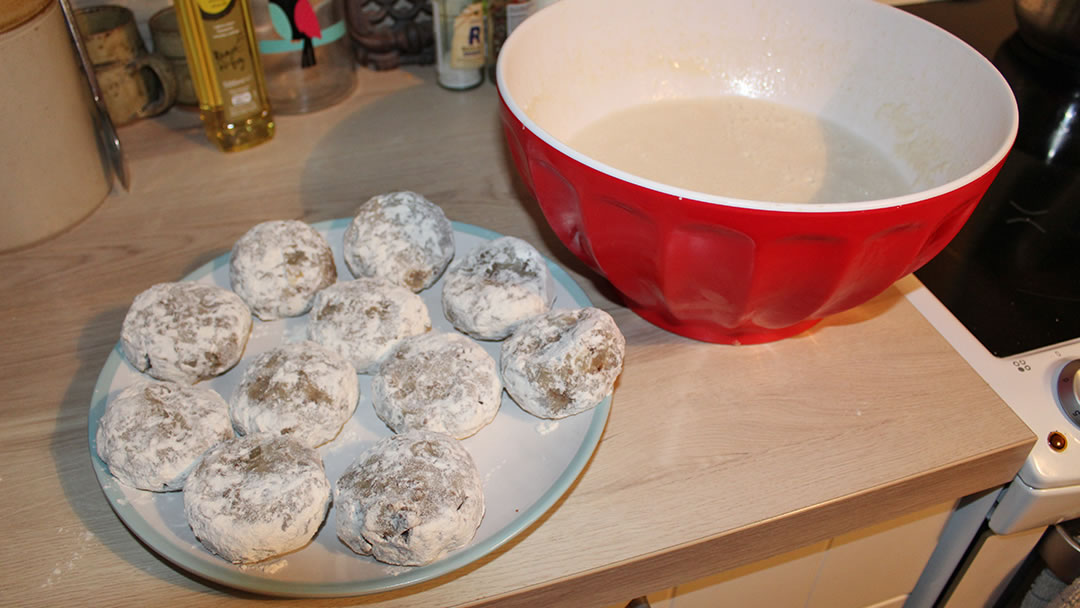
(165, 34)
(109, 33)
(144, 86)
(134, 82)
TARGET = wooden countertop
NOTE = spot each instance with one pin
(714, 456)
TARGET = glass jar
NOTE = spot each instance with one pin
(460, 42)
(306, 55)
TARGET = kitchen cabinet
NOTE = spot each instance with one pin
(993, 567)
(784, 580)
(873, 567)
(879, 563)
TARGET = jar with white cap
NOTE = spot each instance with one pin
(460, 42)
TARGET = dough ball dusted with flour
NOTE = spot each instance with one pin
(409, 499)
(252, 498)
(563, 362)
(185, 332)
(277, 267)
(442, 382)
(304, 390)
(495, 287)
(364, 318)
(152, 433)
(401, 237)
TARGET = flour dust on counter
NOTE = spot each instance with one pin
(743, 148)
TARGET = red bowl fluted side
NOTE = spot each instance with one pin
(724, 273)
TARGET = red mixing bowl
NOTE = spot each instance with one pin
(742, 271)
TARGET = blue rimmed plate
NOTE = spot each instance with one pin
(526, 463)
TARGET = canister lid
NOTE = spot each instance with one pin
(14, 13)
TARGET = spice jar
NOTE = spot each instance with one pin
(459, 42)
(503, 17)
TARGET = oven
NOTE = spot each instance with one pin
(1005, 293)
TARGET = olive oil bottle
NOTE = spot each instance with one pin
(223, 57)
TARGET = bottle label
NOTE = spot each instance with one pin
(467, 42)
(214, 8)
(232, 57)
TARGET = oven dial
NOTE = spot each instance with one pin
(1068, 390)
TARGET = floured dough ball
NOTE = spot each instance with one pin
(409, 499)
(185, 332)
(277, 267)
(401, 237)
(563, 362)
(304, 390)
(496, 286)
(252, 498)
(152, 433)
(442, 382)
(364, 318)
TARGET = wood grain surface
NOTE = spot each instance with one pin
(714, 456)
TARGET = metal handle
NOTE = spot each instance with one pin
(109, 137)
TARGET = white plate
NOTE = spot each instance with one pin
(526, 463)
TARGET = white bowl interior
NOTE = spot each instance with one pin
(925, 99)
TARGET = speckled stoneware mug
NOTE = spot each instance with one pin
(144, 86)
(165, 34)
(134, 82)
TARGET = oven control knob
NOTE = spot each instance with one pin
(1068, 390)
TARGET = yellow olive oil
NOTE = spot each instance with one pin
(223, 57)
